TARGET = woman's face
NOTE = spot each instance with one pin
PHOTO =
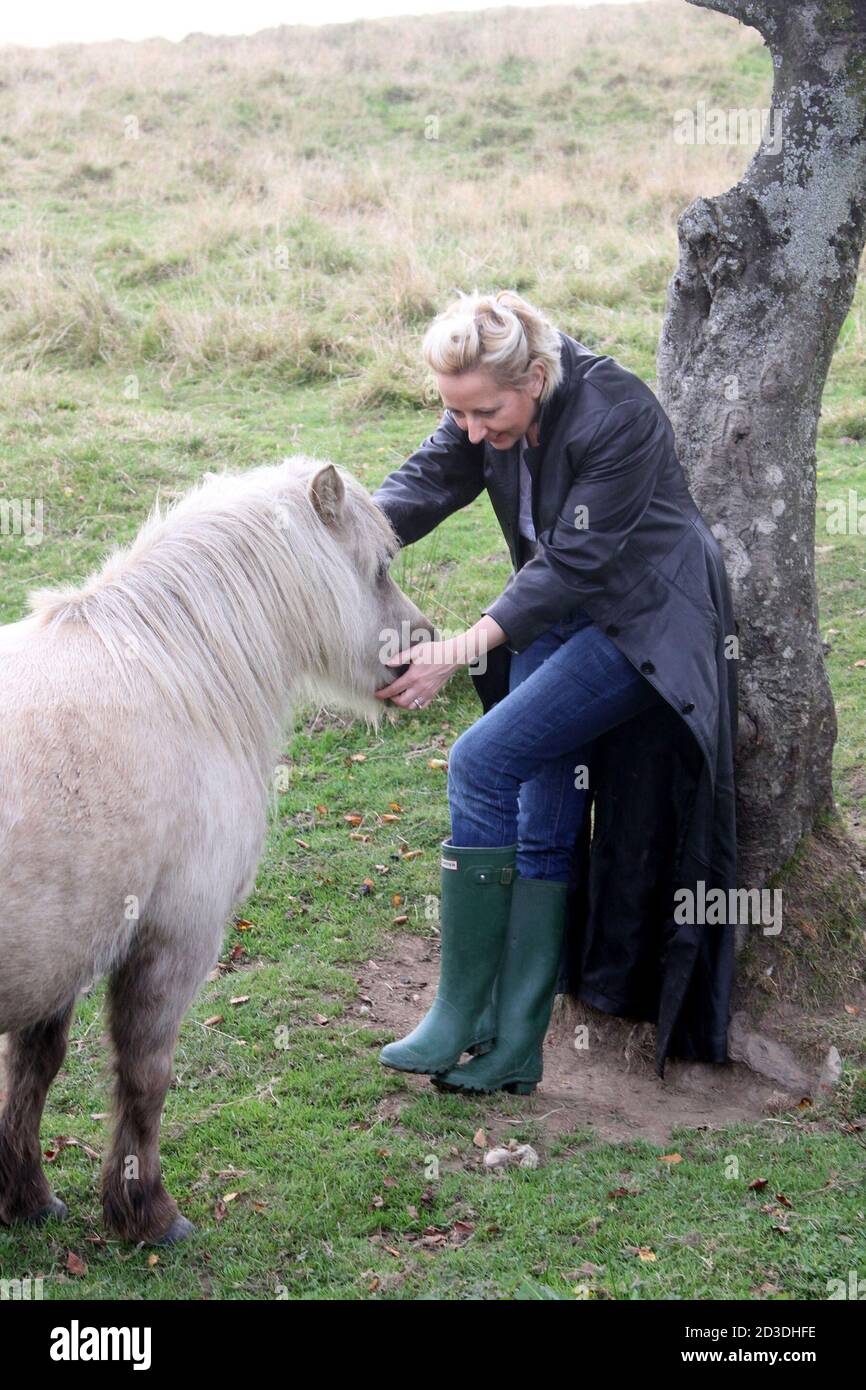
(497, 414)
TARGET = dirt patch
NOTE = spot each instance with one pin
(609, 1087)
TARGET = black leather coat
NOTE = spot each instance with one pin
(644, 565)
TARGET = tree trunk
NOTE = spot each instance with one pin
(766, 276)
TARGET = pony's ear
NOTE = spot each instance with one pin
(327, 492)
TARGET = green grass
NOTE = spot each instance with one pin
(155, 338)
(333, 1201)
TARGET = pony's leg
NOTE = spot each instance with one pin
(33, 1059)
(148, 996)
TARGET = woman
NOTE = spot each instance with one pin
(579, 461)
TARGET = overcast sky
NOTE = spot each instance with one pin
(58, 21)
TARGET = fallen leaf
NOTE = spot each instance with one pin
(66, 1141)
(74, 1264)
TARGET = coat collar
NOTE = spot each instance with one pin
(575, 358)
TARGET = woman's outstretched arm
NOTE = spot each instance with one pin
(444, 473)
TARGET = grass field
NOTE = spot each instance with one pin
(221, 252)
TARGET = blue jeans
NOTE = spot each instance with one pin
(519, 775)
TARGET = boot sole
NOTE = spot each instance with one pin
(515, 1088)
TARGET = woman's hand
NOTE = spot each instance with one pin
(430, 665)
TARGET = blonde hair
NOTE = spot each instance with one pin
(499, 332)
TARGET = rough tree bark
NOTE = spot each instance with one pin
(766, 276)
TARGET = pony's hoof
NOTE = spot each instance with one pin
(53, 1208)
(180, 1229)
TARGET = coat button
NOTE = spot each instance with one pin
(612, 630)
(648, 667)
(687, 709)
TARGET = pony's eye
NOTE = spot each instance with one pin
(382, 571)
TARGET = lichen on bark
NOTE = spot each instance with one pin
(766, 275)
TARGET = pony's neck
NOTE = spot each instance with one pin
(227, 611)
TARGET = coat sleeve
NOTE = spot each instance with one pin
(615, 468)
(444, 473)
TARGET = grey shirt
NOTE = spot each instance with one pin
(525, 526)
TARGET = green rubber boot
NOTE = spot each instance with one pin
(525, 992)
(474, 911)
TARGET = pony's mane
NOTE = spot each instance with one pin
(227, 599)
